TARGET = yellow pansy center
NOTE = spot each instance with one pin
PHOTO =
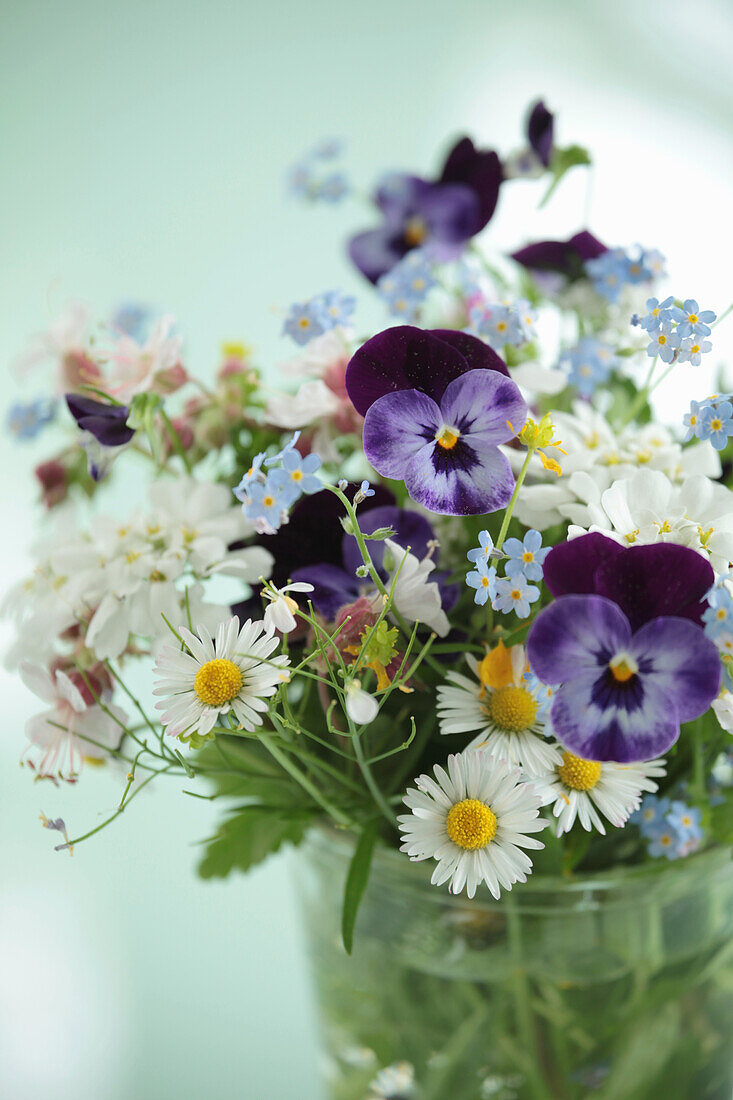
(512, 709)
(415, 231)
(447, 438)
(471, 824)
(217, 682)
(623, 667)
(581, 775)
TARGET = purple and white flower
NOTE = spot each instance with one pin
(624, 644)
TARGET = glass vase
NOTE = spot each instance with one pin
(618, 987)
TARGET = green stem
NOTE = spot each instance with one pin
(510, 506)
(175, 439)
(369, 779)
(310, 788)
(525, 1022)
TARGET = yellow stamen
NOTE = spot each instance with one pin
(217, 682)
(623, 668)
(581, 775)
(415, 231)
(471, 824)
(447, 439)
(512, 709)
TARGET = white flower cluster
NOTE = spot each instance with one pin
(121, 577)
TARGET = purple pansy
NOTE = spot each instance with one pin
(623, 644)
(447, 453)
(566, 258)
(441, 214)
(407, 358)
(335, 582)
(107, 423)
(540, 127)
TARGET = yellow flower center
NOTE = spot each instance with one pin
(692, 317)
(693, 421)
(512, 709)
(695, 349)
(471, 824)
(415, 231)
(716, 424)
(447, 438)
(581, 775)
(661, 339)
(623, 667)
(268, 501)
(304, 322)
(297, 475)
(527, 556)
(217, 682)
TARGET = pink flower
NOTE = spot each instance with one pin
(73, 729)
(140, 368)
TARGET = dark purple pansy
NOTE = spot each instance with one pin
(622, 693)
(107, 423)
(645, 581)
(540, 127)
(566, 258)
(336, 583)
(405, 357)
(447, 452)
(441, 214)
(623, 641)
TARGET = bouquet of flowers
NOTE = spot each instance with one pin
(453, 589)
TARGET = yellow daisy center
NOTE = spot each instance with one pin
(512, 709)
(217, 682)
(471, 824)
(581, 775)
(447, 438)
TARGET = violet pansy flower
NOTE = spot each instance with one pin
(436, 406)
(447, 453)
(623, 646)
(107, 423)
(566, 258)
(540, 127)
(441, 215)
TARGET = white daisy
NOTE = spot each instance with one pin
(505, 708)
(395, 1082)
(209, 678)
(580, 788)
(474, 820)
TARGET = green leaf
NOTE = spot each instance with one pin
(356, 881)
(562, 161)
(248, 837)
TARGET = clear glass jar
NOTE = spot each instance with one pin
(618, 986)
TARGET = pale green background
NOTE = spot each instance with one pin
(142, 149)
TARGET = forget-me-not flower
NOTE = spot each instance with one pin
(657, 313)
(296, 476)
(514, 594)
(692, 320)
(483, 551)
(664, 342)
(692, 350)
(483, 579)
(718, 424)
(526, 557)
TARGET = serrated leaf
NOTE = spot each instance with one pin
(356, 881)
(248, 837)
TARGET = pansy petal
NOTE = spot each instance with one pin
(332, 587)
(540, 131)
(376, 251)
(649, 581)
(396, 427)
(483, 403)
(466, 481)
(617, 733)
(571, 566)
(479, 169)
(477, 354)
(575, 634)
(410, 529)
(401, 358)
(682, 661)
